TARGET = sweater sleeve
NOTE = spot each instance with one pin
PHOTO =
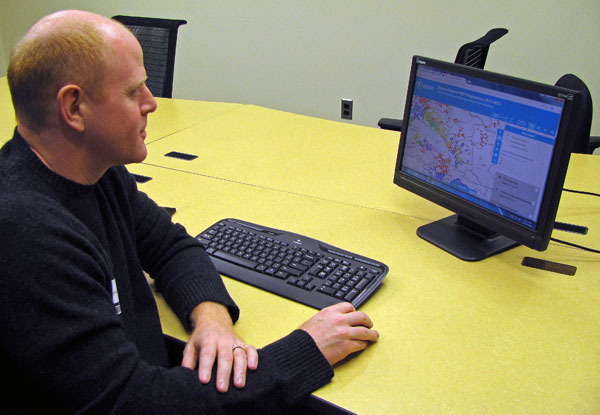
(182, 270)
(63, 340)
(289, 370)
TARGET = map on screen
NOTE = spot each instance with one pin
(471, 140)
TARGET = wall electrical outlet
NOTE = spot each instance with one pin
(346, 108)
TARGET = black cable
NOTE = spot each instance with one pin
(581, 192)
(576, 246)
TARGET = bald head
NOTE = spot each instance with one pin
(67, 47)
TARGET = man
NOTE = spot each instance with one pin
(80, 329)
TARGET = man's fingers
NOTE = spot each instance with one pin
(252, 357)
(224, 364)
(343, 307)
(240, 364)
(232, 362)
(364, 334)
(358, 318)
(190, 357)
(208, 355)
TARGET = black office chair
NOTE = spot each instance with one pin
(582, 142)
(158, 38)
(470, 54)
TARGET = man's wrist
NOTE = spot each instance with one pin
(209, 311)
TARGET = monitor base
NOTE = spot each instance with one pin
(454, 235)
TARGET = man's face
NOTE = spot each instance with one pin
(115, 127)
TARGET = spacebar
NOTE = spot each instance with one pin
(226, 256)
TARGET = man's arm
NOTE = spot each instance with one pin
(181, 269)
(193, 288)
(64, 340)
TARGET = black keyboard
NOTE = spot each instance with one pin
(290, 265)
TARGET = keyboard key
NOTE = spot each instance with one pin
(295, 272)
(362, 284)
(327, 290)
(281, 275)
(350, 296)
(298, 266)
(235, 259)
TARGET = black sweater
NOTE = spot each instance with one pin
(67, 348)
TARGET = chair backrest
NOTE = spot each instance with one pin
(583, 125)
(158, 38)
(475, 53)
(470, 54)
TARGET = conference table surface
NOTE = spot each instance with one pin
(456, 337)
(491, 337)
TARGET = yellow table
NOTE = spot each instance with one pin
(299, 154)
(456, 337)
(176, 116)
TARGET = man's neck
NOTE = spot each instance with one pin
(59, 155)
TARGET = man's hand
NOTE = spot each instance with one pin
(340, 330)
(213, 339)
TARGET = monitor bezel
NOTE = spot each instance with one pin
(537, 238)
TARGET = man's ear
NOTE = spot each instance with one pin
(69, 100)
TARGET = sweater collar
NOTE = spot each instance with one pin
(53, 179)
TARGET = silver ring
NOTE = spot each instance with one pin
(238, 347)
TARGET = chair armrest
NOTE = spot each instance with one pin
(594, 143)
(390, 124)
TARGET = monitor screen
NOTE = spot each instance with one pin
(489, 147)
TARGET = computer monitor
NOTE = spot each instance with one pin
(492, 148)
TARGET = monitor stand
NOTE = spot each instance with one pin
(464, 238)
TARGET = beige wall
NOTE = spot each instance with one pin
(303, 56)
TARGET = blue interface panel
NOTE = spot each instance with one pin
(489, 143)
